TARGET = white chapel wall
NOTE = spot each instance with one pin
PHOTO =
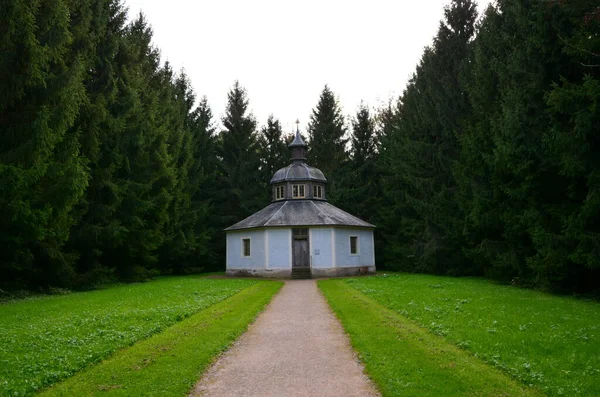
(279, 245)
(320, 247)
(235, 257)
(365, 256)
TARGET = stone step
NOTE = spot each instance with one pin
(301, 273)
(303, 277)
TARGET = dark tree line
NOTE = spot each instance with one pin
(108, 168)
(490, 159)
(488, 163)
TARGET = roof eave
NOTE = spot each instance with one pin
(231, 228)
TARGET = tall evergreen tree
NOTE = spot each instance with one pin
(364, 137)
(101, 125)
(273, 151)
(146, 174)
(178, 247)
(240, 179)
(394, 218)
(536, 191)
(568, 252)
(517, 182)
(327, 137)
(476, 193)
(429, 119)
(203, 188)
(42, 175)
(358, 188)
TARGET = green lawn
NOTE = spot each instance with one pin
(404, 359)
(549, 342)
(170, 363)
(46, 339)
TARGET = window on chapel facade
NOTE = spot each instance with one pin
(297, 191)
(317, 191)
(279, 192)
(246, 247)
(353, 245)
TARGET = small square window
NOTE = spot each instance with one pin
(317, 192)
(353, 245)
(297, 191)
(246, 247)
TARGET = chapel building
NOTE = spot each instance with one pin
(300, 235)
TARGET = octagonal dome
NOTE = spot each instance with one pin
(298, 172)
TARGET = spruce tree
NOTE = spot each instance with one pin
(179, 244)
(364, 137)
(393, 216)
(327, 139)
(203, 188)
(101, 126)
(274, 153)
(539, 193)
(146, 174)
(240, 180)
(425, 150)
(358, 186)
(42, 175)
(518, 186)
(568, 253)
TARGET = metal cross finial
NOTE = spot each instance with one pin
(297, 125)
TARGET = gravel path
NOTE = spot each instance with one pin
(296, 347)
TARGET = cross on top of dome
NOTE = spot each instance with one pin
(298, 141)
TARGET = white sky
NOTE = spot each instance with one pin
(284, 52)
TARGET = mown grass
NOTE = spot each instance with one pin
(170, 363)
(404, 359)
(46, 339)
(549, 342)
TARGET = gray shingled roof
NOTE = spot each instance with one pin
(300, 213)
(298, 172)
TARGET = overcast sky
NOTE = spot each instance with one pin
(284, 52)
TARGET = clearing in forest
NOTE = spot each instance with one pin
(46, 339)
(296, 348)
(414, 332)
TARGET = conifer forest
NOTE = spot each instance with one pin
(487, 164)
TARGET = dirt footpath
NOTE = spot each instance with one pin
(296, 347)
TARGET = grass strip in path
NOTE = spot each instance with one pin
(170, 363)
(404, 359)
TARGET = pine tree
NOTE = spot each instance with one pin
(327, 139)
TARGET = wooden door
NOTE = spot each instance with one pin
(300, 253)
